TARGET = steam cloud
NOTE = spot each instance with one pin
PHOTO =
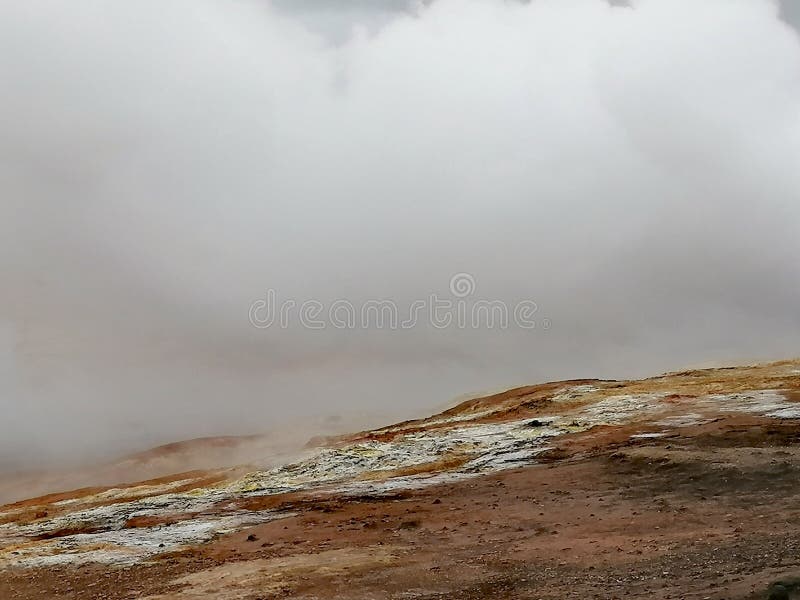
(630, 168)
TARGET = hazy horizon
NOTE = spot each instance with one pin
(630, 168)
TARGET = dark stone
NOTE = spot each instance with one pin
(786, 588)
(778, 592)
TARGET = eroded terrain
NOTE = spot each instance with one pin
(679, 486)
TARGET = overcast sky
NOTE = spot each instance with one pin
(335, 19)
(630, 169)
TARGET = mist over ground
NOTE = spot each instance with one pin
(631, 169)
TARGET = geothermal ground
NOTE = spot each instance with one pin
(685, 485)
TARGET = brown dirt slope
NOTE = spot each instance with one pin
(706, 507)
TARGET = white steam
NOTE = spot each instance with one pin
(631, 169)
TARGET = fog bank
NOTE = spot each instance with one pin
(631, 169)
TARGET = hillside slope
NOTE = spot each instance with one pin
(684, 485)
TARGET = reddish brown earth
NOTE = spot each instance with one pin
(709, 511)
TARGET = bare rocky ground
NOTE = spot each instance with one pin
(707, 507)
